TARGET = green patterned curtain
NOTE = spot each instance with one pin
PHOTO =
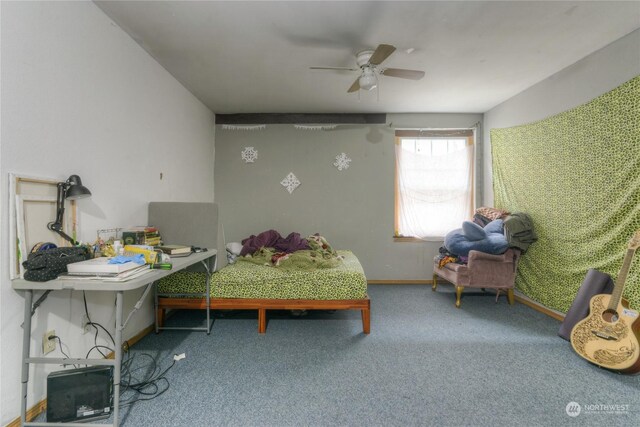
(578, 175)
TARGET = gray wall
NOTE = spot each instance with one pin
(577, 84)
(352, 208)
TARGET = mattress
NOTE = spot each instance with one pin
(247, 280)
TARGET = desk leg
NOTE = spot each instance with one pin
(26, 345)
(118, 358)
(156, 310)
(207, 289)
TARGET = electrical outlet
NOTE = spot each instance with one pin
(48, 345)
(86, 327)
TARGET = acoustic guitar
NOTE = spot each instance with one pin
(610, 336)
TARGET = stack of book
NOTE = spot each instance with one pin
(146, 235)
(175, 250)
(100, 268)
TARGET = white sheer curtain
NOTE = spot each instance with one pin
(434, 188)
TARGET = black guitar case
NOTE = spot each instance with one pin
(595, 282)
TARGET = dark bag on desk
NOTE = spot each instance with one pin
(48, 264)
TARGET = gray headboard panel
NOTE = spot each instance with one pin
(191, 224)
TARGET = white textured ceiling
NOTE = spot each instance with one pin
(248, 57)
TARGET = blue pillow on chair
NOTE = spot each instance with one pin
(471, 236)
(495, 226)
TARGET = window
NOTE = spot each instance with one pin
(434, 182)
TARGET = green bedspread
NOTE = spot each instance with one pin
(249, 280)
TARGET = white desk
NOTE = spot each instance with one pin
(148, 279)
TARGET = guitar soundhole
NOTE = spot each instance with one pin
(610, 316)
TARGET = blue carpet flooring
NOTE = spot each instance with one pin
(425, 363)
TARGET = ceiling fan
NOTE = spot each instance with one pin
(369, 67)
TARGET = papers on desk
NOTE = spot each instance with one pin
(100, 267)
(108, 277)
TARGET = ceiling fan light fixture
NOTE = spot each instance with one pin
(369, 63)
(368, 80)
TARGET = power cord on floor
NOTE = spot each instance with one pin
(146, 388)
(153, 385)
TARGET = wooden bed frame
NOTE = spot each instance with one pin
(198, 224)
(262, 305)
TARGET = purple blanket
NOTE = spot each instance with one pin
(272, 239)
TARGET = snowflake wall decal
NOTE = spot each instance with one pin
(249, 154)
(342, 161)
(291, 182)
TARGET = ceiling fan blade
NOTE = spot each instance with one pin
(381, 53)
(355, 86)
(403, 74)
(334, 68)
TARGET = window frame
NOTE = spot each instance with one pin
(401, 134)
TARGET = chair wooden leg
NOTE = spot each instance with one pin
(434, 283)
(262, 321)
(459, 290)
(366, 320)
(510, 296)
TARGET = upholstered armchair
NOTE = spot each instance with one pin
(482, 271)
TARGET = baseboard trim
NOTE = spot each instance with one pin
(539, 307)
(399, 282)
(32, 413)
(134, 339)
(41, 406)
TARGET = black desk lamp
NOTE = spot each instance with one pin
(71, 189)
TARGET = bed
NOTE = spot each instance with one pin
(245, 285)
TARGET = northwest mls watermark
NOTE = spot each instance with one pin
(574, 409)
